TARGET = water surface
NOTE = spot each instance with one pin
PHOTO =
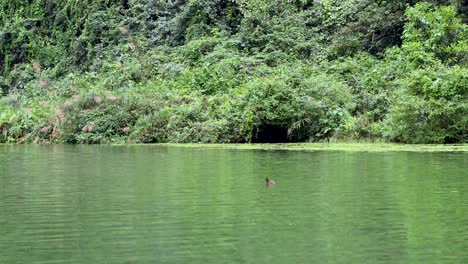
(161, 204)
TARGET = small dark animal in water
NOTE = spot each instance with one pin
(269, 182)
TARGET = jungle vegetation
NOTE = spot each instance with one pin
(233, 71)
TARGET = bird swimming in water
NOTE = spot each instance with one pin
(269, 182)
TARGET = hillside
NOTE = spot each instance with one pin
(219, 71)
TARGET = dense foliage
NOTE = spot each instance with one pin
(233, 71)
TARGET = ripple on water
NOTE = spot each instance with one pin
(98, 204)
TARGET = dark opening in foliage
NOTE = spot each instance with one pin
(272, 134)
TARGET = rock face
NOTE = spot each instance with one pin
(97, 99)
(87, 128)
(45, 129)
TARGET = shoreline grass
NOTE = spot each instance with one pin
(363, 147)
(353, 147)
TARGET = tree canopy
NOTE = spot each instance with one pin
(233, 71)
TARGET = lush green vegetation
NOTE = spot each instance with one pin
(233, 71)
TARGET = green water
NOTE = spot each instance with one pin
(160, 204)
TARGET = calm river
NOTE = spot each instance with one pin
(159, 204)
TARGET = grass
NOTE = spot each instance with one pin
(356, 147)
(366, 147)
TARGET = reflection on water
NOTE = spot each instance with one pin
(153, 204)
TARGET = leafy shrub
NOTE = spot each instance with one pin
(232, 71)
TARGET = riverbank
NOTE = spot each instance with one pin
(366, 147)
(236, 80)
(353, 147)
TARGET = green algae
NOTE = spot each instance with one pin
(367, 147)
